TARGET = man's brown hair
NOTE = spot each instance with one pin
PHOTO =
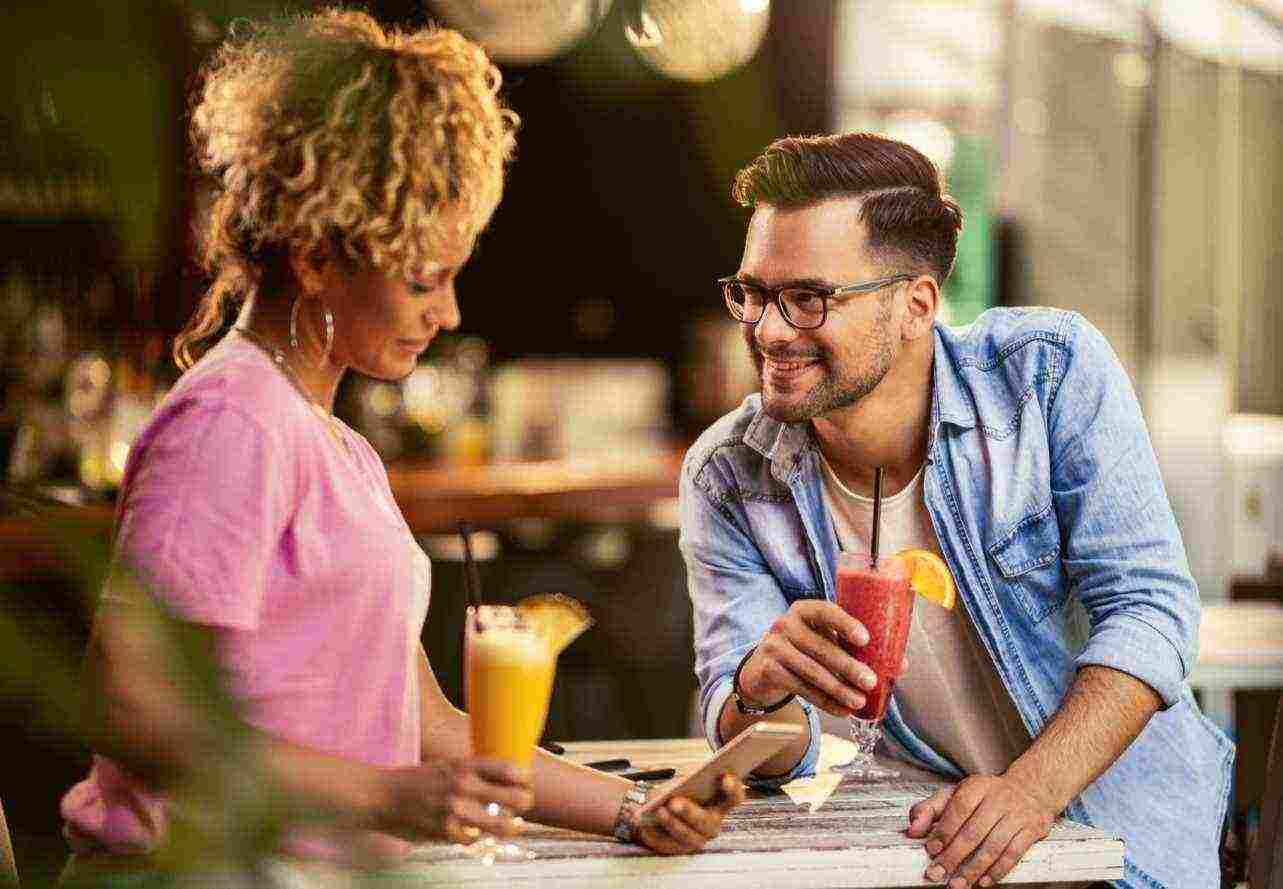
(908, 215)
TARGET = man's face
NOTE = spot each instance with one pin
(810, 373)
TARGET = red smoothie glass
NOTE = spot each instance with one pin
(880, 597)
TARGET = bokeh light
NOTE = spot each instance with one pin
(698, 40)
(524, 32)
(929, 136)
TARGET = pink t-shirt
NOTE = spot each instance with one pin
(251, 517)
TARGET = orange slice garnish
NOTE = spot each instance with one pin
(559, 619)
(929, 576)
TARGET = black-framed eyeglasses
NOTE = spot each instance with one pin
(805, 308)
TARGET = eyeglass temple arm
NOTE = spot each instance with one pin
(871, 285)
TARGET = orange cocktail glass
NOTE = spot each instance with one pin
(509, 684)
(509, 673)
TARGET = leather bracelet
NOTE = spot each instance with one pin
(749, 709)
(626, 820)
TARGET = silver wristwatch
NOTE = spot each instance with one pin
(626, 820)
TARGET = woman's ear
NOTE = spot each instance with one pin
(309, 267)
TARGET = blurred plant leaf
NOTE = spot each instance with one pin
(225, 816)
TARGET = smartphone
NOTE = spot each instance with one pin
(749, 749)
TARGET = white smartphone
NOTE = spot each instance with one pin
(749, 749)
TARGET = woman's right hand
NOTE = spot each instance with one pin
(457, 801)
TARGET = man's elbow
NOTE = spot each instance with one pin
(1134, 646)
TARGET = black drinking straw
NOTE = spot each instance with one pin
(470, 578)
(877, 512)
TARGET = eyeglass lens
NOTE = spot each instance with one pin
(802, 308)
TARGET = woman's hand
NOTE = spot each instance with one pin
(684, 826)
(457, 801)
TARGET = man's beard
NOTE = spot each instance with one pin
(837, 388)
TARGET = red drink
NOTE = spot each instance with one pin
(882, 600)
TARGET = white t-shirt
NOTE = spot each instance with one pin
(950, 696)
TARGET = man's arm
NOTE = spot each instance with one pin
(732, 722)
(738, 604)
(1123, 556)
(979, 830)
(1101, 715)
(1122, 550)
(797, 655)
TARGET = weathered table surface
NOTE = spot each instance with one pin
(855, 839)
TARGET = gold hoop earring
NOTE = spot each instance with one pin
(329, 330)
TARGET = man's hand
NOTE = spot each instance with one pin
(979, 830)
(800, 654)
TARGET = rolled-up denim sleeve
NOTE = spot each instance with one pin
(735, 599)
(1121, 547)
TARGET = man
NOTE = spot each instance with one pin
(1016, 450)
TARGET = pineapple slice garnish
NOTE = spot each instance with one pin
(559, 619)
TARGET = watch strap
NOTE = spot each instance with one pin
(626, 820)
(749, 708)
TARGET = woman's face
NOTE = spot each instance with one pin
(383, 324)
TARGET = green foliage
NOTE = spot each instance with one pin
(225, 816)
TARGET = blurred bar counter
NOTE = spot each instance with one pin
(434, 498)
(29, 546)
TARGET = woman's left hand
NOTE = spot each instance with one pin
(683, 826)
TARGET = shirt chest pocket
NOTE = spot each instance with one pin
(1028, 561)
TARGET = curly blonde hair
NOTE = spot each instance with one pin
(325, 130)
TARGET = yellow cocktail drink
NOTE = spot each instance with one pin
(509, 683)
(511, 656)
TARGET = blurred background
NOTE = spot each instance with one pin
(1121, 158)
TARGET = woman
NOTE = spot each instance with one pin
(357, 169)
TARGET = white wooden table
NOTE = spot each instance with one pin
(856, 839)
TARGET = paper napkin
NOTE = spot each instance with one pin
(811, 793)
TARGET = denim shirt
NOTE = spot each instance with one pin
(1049, 509)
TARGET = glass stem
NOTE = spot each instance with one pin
(865, 734)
